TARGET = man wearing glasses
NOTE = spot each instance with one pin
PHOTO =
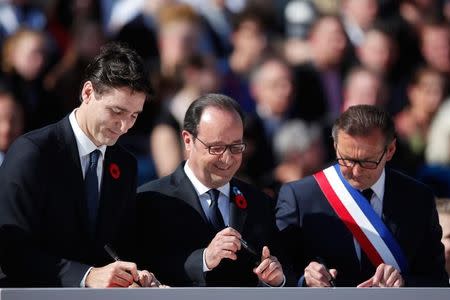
(358, 222)
(204, 227)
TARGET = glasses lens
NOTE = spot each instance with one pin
(345, 162)
(237, 148)
(368, 164)
(215, 150)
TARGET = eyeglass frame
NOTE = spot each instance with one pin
(229, 146)
(341, 160)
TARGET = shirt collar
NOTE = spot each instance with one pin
(200, 188)
(85, 145)
(378, 186)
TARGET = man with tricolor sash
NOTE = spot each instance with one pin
(358, 222)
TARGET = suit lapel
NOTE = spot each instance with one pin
(73, 172)
(237, 215)
(110, 200)
(390, 205)
(185, 190)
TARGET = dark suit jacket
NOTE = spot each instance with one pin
(312, 229)
(176, 232)
(44, 233)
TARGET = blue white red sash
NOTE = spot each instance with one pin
(366, 226)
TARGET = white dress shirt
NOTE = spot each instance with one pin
(85, 147)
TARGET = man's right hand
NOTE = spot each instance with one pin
(224, 245)
(117, 274)
(316, 275)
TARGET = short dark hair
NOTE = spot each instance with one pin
(118, 66)
(195, 110)
(361, 120)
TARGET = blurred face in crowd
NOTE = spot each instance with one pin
(428, 93)
(205, 79)
(28, 56)
(376, 52)
(178, 40)
(249, 38)
(444, 220)
(362, 87)
(328, 42)
(105, 117)
(363, 12)
(272, 87)
(89, 39)
(436, 47)
(11, 121)
(216, 127)
(370, 147)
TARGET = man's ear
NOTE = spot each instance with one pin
(187, 139)
(87, 92)
(390, 150)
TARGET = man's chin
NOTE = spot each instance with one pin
(356, 184)
(219, 180)
(108, 141)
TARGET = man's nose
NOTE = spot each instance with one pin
(226, 156)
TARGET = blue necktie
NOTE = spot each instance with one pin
(215, 217)
(91, 186)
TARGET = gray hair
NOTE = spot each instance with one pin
(295, 136)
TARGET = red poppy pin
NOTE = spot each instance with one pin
(239, 198)
(114, 170)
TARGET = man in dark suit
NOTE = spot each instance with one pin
(317, 238)
(190, 208)
(67, 189)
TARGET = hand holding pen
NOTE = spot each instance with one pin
(225, 244)
(139, 278)
(317, 274)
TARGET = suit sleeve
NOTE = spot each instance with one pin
(22, 206)
(193, 267)
(288, 222)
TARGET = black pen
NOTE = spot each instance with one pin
(248, 247)
(331, 280)
(115, 256)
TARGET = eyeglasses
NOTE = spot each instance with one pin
(366, 164)
(236, 148)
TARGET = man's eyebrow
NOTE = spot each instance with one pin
(125, 109)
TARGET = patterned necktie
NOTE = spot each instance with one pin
(215, 217)
(91, 188)
(367, 268)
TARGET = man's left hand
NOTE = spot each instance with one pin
(146, 279)
(385, 276)
(269, 270)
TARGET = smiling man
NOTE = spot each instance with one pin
(67, 190)
(201, 214)
(369, 224)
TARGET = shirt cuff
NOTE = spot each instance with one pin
(83, 281)
(205, 267)
(281, 285)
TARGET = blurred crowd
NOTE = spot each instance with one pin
(293, 65)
